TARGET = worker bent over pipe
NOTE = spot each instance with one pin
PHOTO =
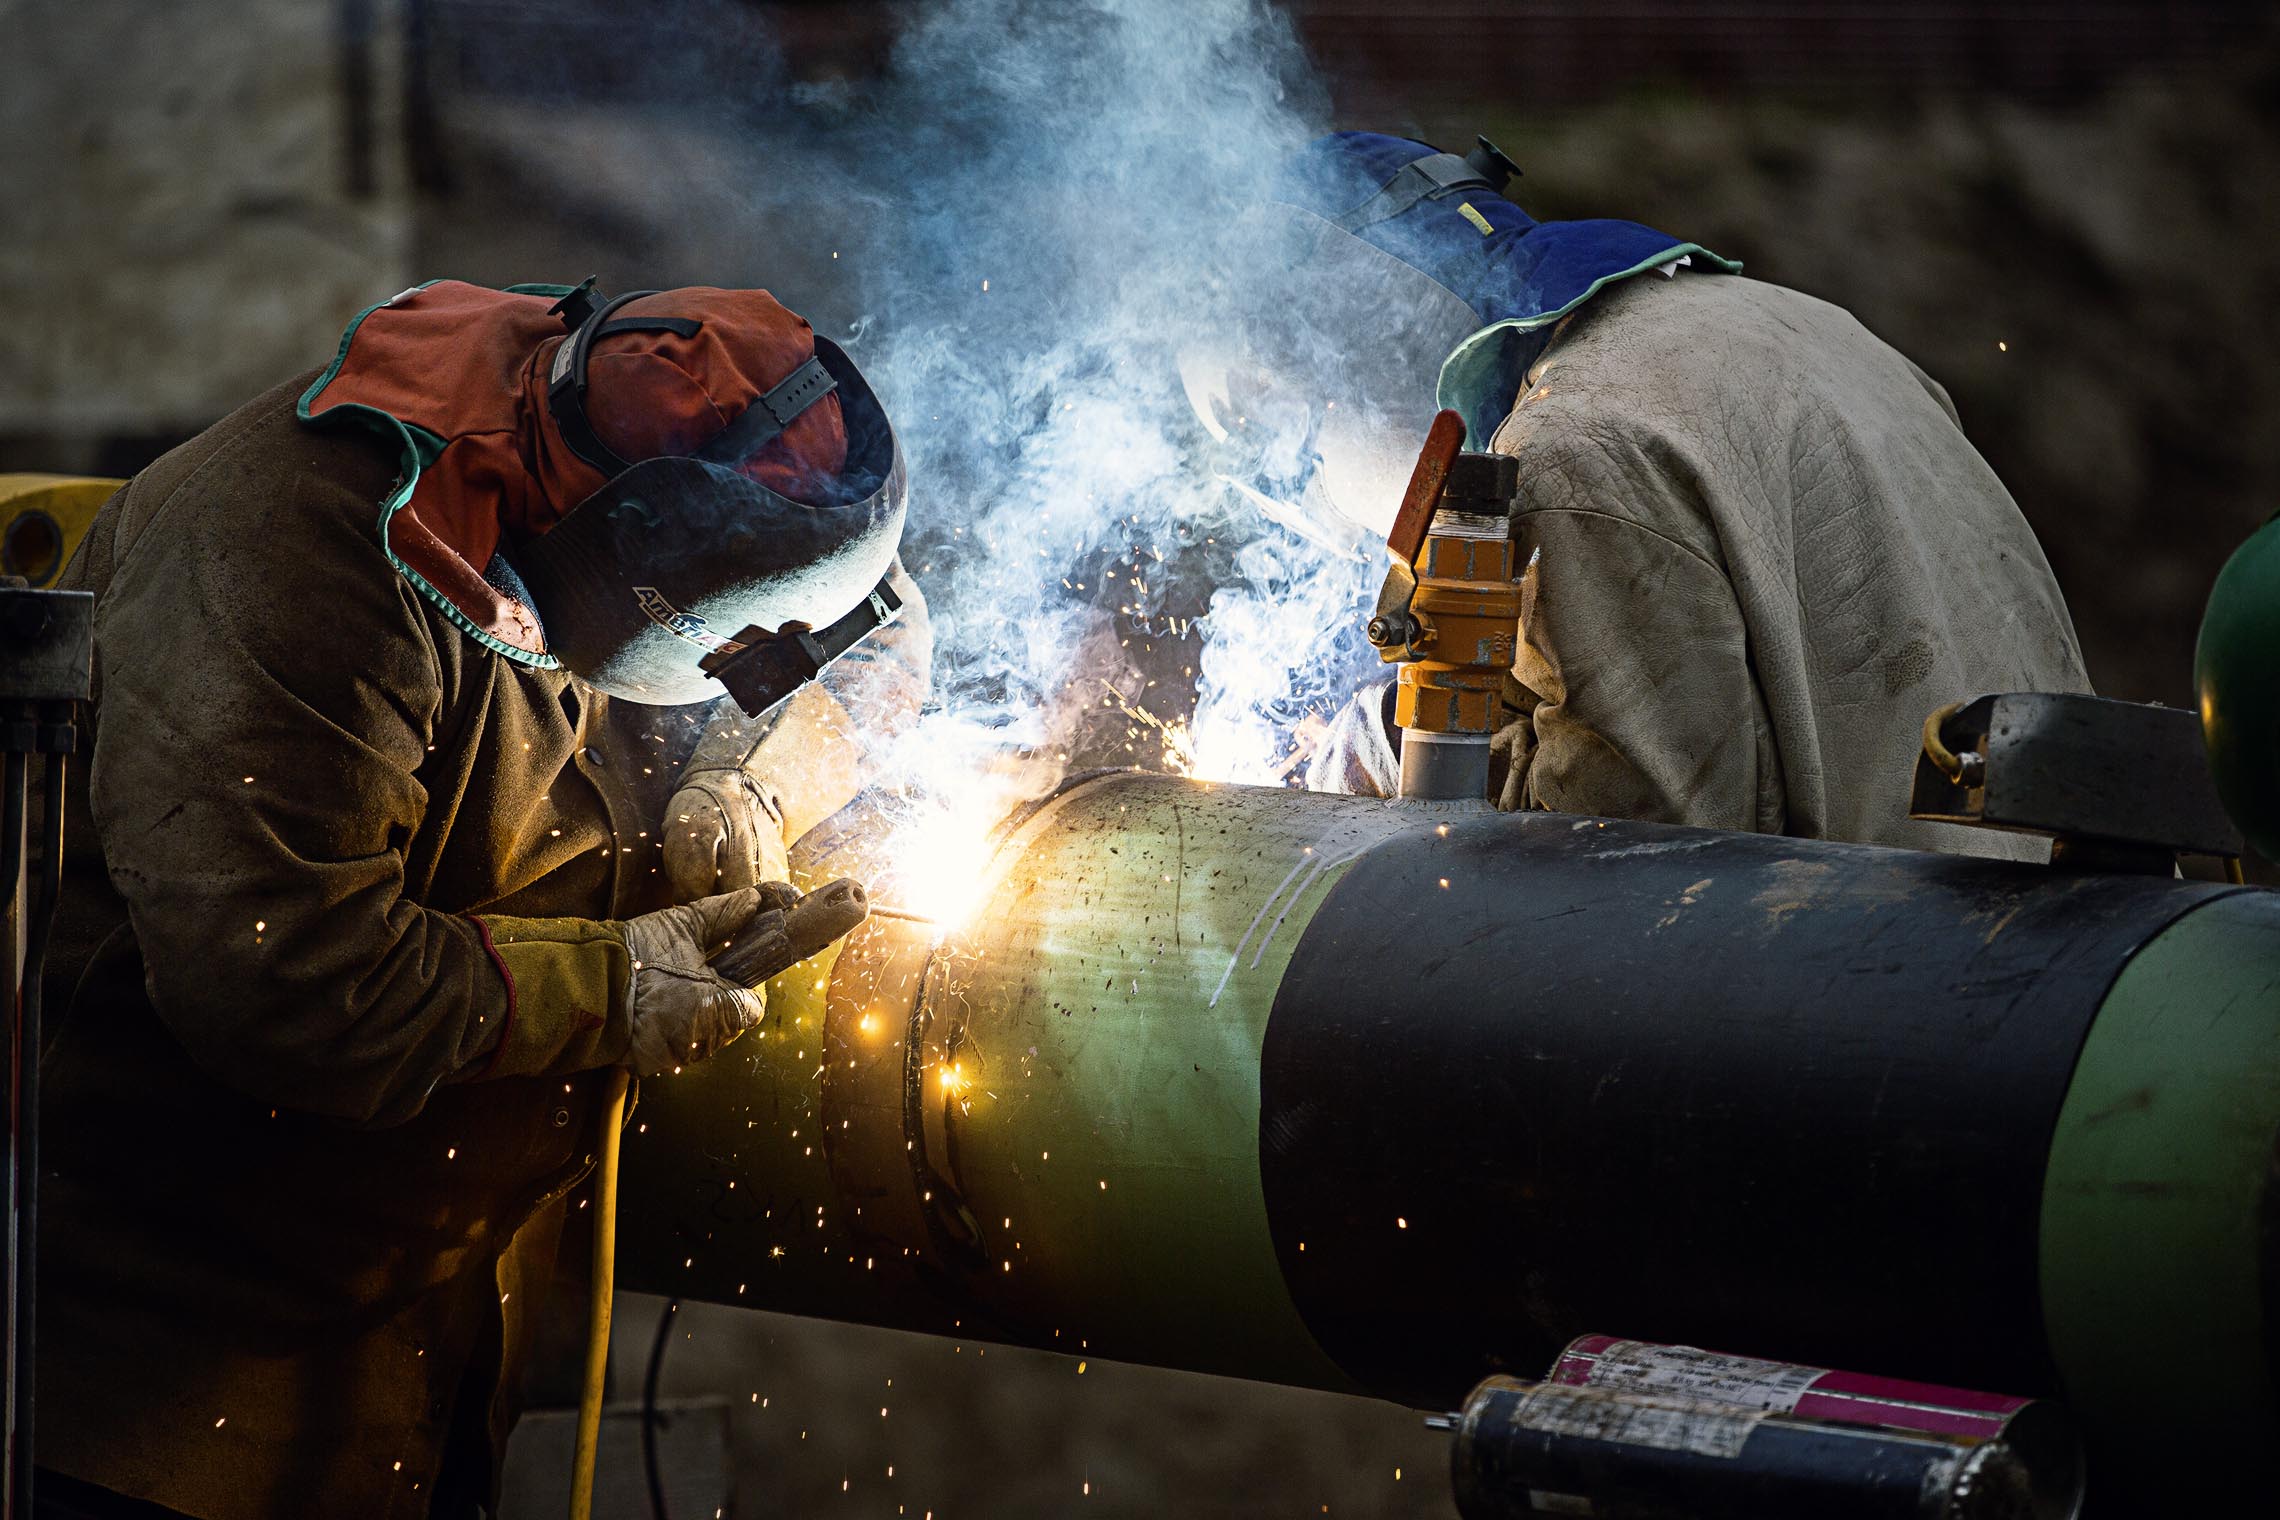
(397, 669)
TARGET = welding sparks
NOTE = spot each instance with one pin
(1180, 756)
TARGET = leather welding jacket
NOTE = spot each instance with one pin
(1759, 550)
(341, 982)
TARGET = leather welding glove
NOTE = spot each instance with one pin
(680, 1009)
(1356, 756)
(724, 830)
(1512, 749)
(755, 785)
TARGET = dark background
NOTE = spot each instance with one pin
(2066, 213)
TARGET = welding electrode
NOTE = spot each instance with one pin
(787, 930)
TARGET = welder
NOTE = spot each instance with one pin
(398, 669)
(1758, 547)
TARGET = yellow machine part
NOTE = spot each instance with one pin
(42, 519)
(1468, 607)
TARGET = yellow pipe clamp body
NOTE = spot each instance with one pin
(1467, 610)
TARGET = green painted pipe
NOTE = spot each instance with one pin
(1112, 1199)
(2160, 1215)
(2236, 674)
(1355, 1095)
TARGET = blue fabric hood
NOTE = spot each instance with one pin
(1518, 275)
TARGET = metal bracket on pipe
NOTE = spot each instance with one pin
(2118, 785)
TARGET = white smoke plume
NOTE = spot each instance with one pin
(1040, 193)
(1047, 186)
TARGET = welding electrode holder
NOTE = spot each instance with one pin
(788, 929)
(791, 927)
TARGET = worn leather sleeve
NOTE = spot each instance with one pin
(1768, 551)
(268, 688)
(1634, 659)
(567, 1006)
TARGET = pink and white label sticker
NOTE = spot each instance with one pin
(1742, 1382)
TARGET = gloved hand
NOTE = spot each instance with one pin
(1357, 757)
(681, 1010)
(723, 833)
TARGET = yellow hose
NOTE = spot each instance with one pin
(2235, 872)
(598, 1309)
(1936, 748)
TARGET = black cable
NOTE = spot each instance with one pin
(649, 1409)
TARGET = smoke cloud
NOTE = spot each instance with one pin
(1043, 195)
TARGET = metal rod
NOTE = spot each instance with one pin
(25, 1244)
(13, 804)
(905, 914)
(45, 666)
(12, 841)
(1444, 767)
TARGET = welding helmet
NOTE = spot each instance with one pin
(687, 572)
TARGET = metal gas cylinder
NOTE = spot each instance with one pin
(1631, 1430)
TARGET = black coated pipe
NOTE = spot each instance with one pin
(1390, 1098)
(1734, 1090)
